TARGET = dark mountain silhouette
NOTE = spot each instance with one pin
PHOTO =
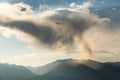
(14, 72)
(78, 70)
(114, 63)
(109, 70)
(67, 69)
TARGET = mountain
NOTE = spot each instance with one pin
(14, 72)
(77, 70)
(114, 63)
(111, 71)
(67, 69)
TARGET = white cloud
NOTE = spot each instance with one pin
(73, 5)
(85, 5)
(62, 27)
(44, 7)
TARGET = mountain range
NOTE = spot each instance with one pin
(14, 72)
(67, 69)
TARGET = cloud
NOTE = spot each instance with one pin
(57, 28)
(104, 52)
(24, 7)
(104, 38)
(106, 56)
(84, 5)
(73, 4)
(44, 7)
(34, 58)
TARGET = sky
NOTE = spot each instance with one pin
(36, 37)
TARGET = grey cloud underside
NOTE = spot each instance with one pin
(63, 26)
(44, 33)
(58, 28)
(73, 20)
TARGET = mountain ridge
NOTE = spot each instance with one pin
(14, 72)
(69, 69)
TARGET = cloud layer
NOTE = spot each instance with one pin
(57, 28)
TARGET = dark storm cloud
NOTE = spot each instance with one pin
(56, 27)
(61, 26)
(74, 20)
(44, 33)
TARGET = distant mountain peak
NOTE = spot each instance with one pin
(75, 69)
